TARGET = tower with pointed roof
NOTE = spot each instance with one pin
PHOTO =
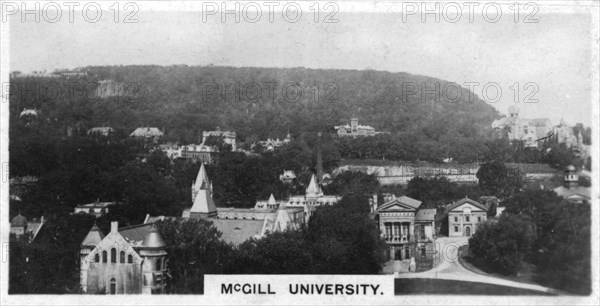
(203, 205)
(154, 266)
(201, 179)
(313, 190)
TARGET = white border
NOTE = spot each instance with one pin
(384, 6)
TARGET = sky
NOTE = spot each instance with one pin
(552, 56)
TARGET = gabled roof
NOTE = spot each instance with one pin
(465, 201)
(135, 233)
(146, 132)
(402, 203)
(573, 192)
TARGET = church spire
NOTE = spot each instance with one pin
(201, 182)
(313, 190)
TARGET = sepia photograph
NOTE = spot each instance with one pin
(299, 152)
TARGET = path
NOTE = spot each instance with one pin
(448, 267)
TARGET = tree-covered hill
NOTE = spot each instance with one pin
(256, 102)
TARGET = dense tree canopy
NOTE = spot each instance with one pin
(539, 227)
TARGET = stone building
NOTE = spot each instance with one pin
(408, 230)
(527, 130)
(130, 260)
(227, 136)
(570, 190)
(464, 217)
(240, 224)
(355, 129)
(312, 198)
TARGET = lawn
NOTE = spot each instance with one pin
(411, 286)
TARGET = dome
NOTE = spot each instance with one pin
(153, 239)
(18, 221)
(28, 112)
(570, 168)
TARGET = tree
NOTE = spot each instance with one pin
(344, 238)
(500, 247)
(355, 183)
(285, 252)
(498, 180)
(194, 249)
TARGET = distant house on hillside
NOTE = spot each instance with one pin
(355, 129)
(527, 130)
(100, 130)
(227, 136)
(147, 133)
(270, 145)
(96, 208)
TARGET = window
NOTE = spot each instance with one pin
(97, 257)
(113, 255)
(104, 256)
(478, 219)
(158, 265)
(455, 219)
(129, 258)
(122, 257)
(467, 218)
(456, 229)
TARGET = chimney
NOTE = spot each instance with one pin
(319, 158)
(114, 227)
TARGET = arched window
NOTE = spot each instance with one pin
(104, 256)
(97, 257)
(129, 258)
(158, 265)
(113, 255)
(122, 257)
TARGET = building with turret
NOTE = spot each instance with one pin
(570, 190)
(129, 260)
(239, 224)
(527, 130)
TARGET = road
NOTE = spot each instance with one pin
(447, 266)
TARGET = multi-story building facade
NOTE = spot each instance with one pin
(130, 260)
(464, 217)
(408, 230)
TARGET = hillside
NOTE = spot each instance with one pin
(184, 99)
